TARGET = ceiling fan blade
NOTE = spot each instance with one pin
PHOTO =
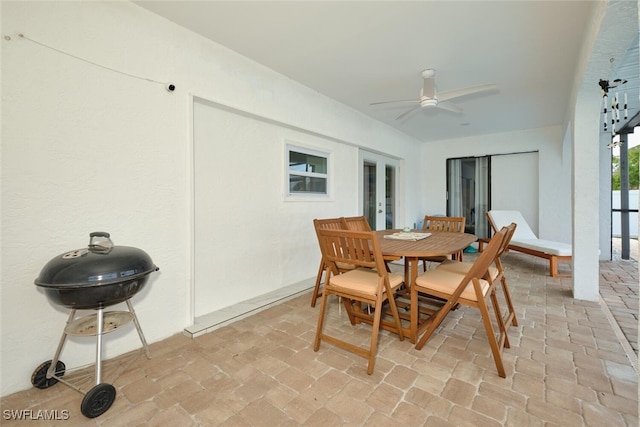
(413, 101)
(452, 94)
(406, 113)
(449, 106)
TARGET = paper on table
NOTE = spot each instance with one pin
(407, 236)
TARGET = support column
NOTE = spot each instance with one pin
(585, 195)
(624, 195)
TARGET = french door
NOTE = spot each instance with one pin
(378, 189)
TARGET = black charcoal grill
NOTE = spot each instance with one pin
(94, 277)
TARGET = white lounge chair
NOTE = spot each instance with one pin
(524, 240)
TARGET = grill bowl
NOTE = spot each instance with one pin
(97, 276)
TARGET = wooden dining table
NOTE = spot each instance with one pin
(437, 244)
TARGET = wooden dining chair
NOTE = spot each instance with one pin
(473, 289)
(496, 273)
(327, 224)
(360, 223)
(451, 224)
(369, 283)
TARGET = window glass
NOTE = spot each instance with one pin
(307, 172)
(303, 162)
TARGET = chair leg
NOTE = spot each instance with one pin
(503, 341)
(511, 316)
(491, 337)
(553, 266)
(316, 290)
(351, 307)
(321, 314)
(375, 330)
(394, 313)
(434, 321)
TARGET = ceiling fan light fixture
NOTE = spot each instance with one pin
(428, 102)
(429, 73)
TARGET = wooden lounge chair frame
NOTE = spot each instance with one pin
(537, 249)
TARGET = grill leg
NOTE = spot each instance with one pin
(139, 329)
(100, 325)
(52, 369)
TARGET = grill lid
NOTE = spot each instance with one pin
(100, 263)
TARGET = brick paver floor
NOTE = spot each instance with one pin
(619, 289)
(566, 367)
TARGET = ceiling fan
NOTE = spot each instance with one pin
(430, 98)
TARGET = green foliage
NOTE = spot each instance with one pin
(634, 171)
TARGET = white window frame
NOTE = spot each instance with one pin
(306, 196)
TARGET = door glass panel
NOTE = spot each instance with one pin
(468, 192)
(390, 195)
(369, 193)
(378, 190)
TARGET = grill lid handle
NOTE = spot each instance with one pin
(100, 242)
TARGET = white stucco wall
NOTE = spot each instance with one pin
(554, 186)
(270, 226)
(86, 148)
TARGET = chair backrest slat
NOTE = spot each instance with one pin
(359, 248)
(453, 224)
(329, 223)
(356, 223)
(510, 231)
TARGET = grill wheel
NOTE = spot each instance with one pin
(39, 377)
(98, 400)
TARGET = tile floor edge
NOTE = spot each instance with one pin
(225, 316)
(631, 355)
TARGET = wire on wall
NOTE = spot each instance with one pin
(170, 87)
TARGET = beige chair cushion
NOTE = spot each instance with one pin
(363, 280)
(446, 282)
(463, 268)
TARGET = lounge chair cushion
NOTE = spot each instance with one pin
(544, 246)
(525, 237)
(504, 218)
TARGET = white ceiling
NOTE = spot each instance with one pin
(360, 52)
